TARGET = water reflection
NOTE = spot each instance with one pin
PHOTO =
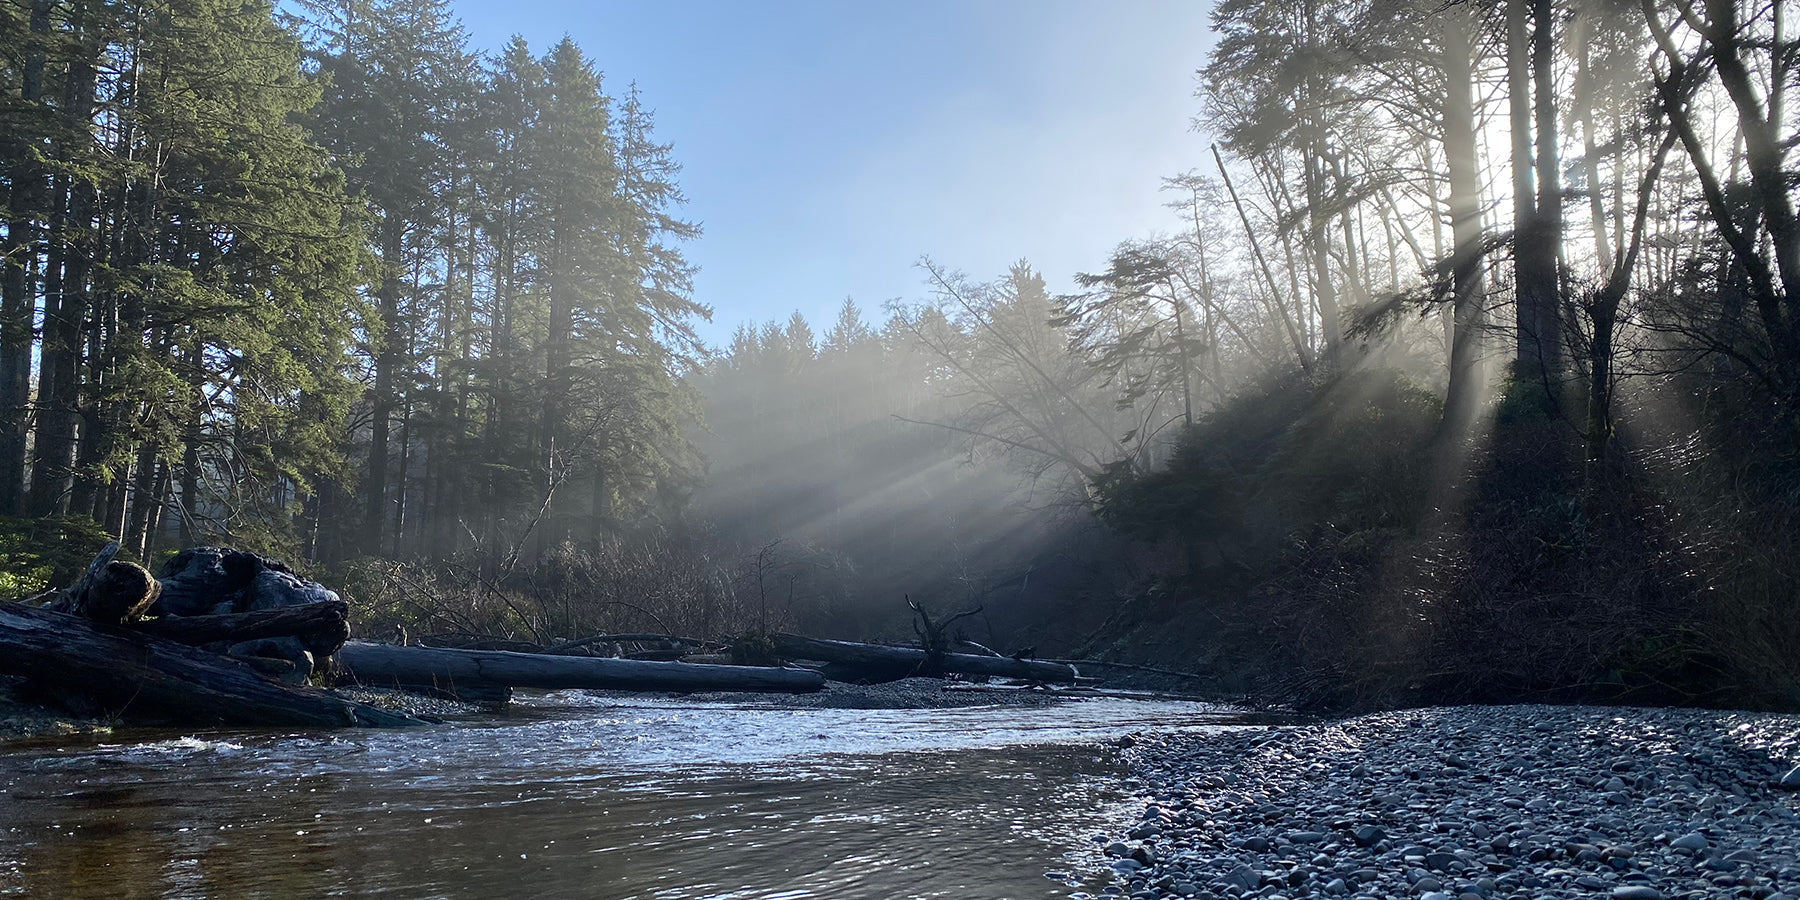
(578, 798)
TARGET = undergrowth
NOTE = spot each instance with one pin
(1339, 554)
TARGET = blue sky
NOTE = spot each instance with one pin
(828, 145)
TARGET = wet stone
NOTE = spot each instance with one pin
(1691, 841)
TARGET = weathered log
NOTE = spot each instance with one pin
(144, 677)
(321, 627)
(580, 645)
(202, 581)
(384, 665)
(879, 662)
(112, 592)
(461, 641)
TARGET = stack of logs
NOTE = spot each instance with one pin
(114, 643)
(228, 637)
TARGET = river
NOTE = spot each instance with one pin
(583, 796)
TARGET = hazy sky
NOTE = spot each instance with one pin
(828, 144)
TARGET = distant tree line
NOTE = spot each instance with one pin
(332, 283)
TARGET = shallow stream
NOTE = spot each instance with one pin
(579, 796)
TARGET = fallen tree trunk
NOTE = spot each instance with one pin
(146, 677)
(580, 647)
(384, 665)
(879, 662)
(321, 627)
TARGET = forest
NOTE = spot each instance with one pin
(1464, 368)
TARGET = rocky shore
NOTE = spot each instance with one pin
(1470, 803)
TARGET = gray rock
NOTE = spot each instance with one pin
(1790, 781)
(1636, 892)
(1368, 835)
(1244, 877)
(1305, 837)
(1693, 840)
(1443, 862)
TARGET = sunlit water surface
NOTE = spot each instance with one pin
(583, 796)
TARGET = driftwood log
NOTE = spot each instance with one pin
(144, 677)
(321, 627)
(873, 663)
(458, 672)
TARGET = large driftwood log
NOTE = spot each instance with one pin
(384, 665)
(145, 677)
(321, 627)
(878, 662)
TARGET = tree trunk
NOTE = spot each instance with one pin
(59, 383)
(1318, 243)
(387, 362)
(1518, 90)
(385, 665)
(321, 627)
(18, 259)
(1763, 151)
(1464, 176)
(1547, 230)
(878, 662)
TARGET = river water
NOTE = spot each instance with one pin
(580, 796)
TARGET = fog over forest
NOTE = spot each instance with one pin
(1464, 367)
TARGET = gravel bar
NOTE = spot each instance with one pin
(1469, 803)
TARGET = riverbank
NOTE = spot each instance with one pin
(1470, 802)
(20, 720)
